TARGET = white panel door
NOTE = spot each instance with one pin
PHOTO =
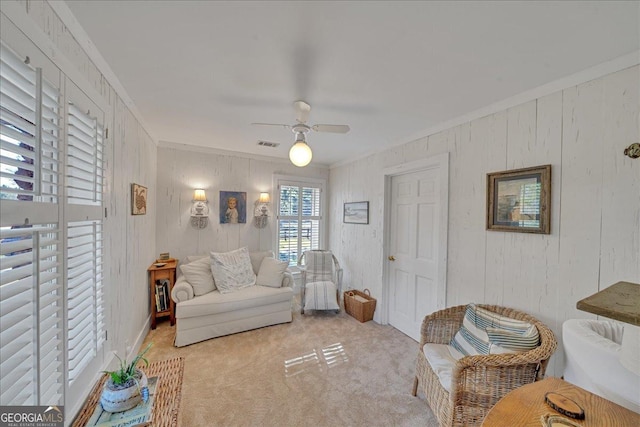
(413, 250)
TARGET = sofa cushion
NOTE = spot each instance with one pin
(486, 332)
(257, 257)
(320, 296)
(216, 302)
(198, 274)
(442, 358)
(232, 270)
(191, 258)
(271, 272)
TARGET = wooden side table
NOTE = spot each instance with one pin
(166, 272)
(524, 406)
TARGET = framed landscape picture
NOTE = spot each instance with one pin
(356, 213)
(520, 200)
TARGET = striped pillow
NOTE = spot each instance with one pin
(319, 266)
(486, 332)
(321, 296)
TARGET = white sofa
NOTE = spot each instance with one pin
(215, 314)
(592, 349)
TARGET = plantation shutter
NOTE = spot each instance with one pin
(299, 219)
(84, 195)
(31, 315)
(29, 129)
(31, 293)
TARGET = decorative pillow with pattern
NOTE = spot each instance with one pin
(232, 270)
(486, 332)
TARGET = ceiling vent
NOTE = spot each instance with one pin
(268, 144)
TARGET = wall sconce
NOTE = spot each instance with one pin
(199, 210)
(262, 210)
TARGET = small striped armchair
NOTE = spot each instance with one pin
(321, 281)
(477, 382)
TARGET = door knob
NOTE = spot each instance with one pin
(392, 258)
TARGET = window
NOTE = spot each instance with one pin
(85, 311)
(31, 292)
(300, 220)
(52, 305)
(84, 250)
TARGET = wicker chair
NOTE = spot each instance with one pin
(477, 382)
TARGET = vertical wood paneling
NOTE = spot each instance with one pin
(181, 171)
(580, 215)
(463, 258)
(531, 260)
(595, 218)
(521, 250)
(490, 131)
(620, 242)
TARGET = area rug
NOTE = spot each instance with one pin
(166, 405)
(322, 369)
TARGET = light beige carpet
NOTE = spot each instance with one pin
(322, 369)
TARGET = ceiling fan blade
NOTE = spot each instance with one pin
(272, 124)
(302, 111)
(331, 128)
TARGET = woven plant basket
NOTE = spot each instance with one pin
(360, 305)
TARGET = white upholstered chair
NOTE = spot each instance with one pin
(321, 281)
(593, 349)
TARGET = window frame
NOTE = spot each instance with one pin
(297, 181)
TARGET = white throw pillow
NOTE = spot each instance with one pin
(271, 272)
(257, 257)
(198, 274)
(232, 270)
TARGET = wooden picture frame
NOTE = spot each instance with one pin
(138, 199)
(520, 200)
(356, 213)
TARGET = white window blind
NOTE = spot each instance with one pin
(299, 219)
(31, 316)
(84, 158)
(84, 194)
(31, 283)
(29, 132)
(85, 304)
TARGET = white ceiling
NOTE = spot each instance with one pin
(200, 72)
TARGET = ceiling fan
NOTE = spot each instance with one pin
(300, 153)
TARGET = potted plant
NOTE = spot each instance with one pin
(126, 386)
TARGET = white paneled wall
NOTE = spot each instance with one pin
(181, 169)
(595, 215)
(131, 158)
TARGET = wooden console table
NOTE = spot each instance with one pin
(619, 302)
(524, 406)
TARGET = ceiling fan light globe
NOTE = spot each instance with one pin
(300, 154)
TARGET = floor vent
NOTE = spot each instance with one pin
(268, 144)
